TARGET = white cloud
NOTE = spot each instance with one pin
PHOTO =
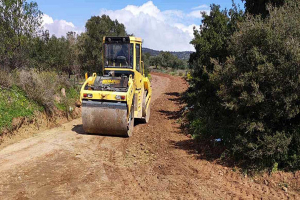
(204, 6)
(187, 29)
(58, 27)
(170, 30)
(47, 20)
(198, 13)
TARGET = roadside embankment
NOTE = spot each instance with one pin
(33, 100)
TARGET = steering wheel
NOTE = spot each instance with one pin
(121, 58)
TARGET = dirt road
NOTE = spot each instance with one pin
(158, 162)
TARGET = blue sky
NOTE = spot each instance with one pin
(159, 23)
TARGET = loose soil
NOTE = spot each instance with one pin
(157, 162)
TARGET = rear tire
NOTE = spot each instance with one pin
(147, 117)
(130, 122)
(146, 113)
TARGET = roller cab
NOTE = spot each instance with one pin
(111, 102)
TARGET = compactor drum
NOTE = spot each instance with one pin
(111, 102)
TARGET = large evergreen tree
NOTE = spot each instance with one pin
(259, 87)
(211, 42)
(245, 86)
(259, 7)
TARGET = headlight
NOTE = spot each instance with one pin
(88, 95)
(119, 97)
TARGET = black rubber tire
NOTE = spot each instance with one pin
(146, 113)
(144, 105)
(131, 122)
(147, 117)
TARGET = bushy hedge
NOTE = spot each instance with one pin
(207, 116)
(258, 92)
(41, 87)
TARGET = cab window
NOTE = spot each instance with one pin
(118, 55)
(138, 57)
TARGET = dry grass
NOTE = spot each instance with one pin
(5, 79)
(41, 86)
(28, 93)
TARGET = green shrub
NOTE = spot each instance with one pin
(259, 90)
(68, 101)
(39, 86)
(42, 87)
(14, 104)
(24, 92)
(172, 73)
(207, 117)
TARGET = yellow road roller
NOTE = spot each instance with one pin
(111, 102)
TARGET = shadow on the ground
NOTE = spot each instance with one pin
(138, 122)
(79, 130)
(201, 149)
(175, 97)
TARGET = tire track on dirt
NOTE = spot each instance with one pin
(64, 162)
(158, 162)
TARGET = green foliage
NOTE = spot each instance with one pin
(245, 86)
(14, 104)
(39, 86)
(21, 45)
(24, 45)
(96, 28)
(255, 7)
(72, 93)
(61, 106)
(210, 42)
(58, 54)
(34, 64)
(19, 21)
(275, 167)
(155, 61)
(66, 104)
(167, 59)
(42, 87)
(259, 86)
(146, 60)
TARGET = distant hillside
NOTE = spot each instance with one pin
(183, 55)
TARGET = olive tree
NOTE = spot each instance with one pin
(259, 88)
(19, 22)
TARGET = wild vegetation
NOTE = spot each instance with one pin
(244, 87)
(261, 7)
(38, 65)
(182, 55)
(243, 94)
(35, 66)
(167, 59)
